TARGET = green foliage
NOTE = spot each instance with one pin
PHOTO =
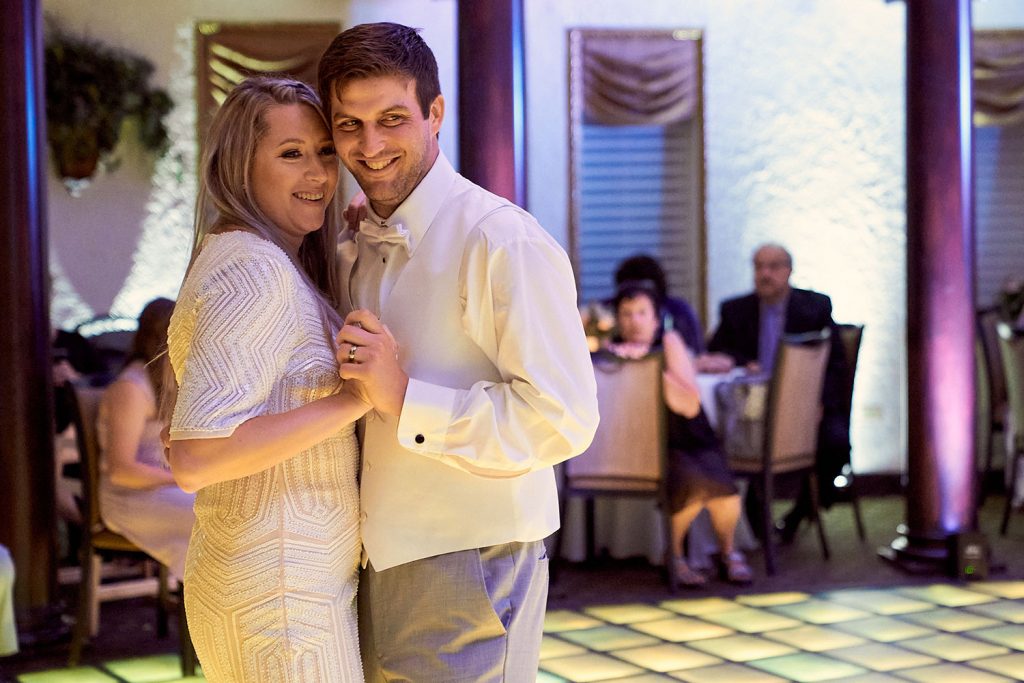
(90, 89)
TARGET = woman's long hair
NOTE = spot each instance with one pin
(149, 345)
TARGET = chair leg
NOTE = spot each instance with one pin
(187, 650)
(96, 576)
(989, 456)
(666, 523)
(816, 513)
(85, 601)
(767, 527)
(857, 518)
(162, 600)
(591, 535)
(1015, 463)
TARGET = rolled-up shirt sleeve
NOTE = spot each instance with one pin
(519, 307)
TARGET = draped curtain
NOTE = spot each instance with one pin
(631, 79)
(998, 78)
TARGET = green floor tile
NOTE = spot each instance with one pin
(882, 657)
(771, 599)
(153, 669)
(78, 674)
(1010, 635)
(726, 673)
(1006, 610)
(645, 678)
(820, 612)
(561, 620)
(556, 647)
(883, 629)
(953, 648)
(750, 620)
(952, 620)
(870, 677)
(590, 667)
(951, 673)
(681, 629)
(604, 638)
(545, 677)
(881, 602)
(666, 657)
(628, 614)
(946, 595)
(740, 648)
(700, 606)
(1007, 665)
(814, 638)
(805, 666)
(188, 679)
(1002, 589)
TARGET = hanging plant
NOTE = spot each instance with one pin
(90, 90)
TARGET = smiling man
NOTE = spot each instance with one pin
(491, 385)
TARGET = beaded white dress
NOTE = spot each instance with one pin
(271, 571)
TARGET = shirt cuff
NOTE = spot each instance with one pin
(426, 414)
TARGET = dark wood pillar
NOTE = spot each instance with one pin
(27, 508)
(940, 296)
(492, 109)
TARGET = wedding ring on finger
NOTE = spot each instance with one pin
(352, 353)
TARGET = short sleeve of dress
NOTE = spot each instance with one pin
(238, 330)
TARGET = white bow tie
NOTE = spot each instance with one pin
(372, 233)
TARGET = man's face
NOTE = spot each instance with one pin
(383, 138)
(771, 274)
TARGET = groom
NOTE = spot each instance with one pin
(491, 384)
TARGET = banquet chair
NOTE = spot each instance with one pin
(993, 387)
(628, 454)
(850, 337)
(97, 539)
(1011, 348)
(789, 443)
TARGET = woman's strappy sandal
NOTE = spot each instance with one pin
(735, 568)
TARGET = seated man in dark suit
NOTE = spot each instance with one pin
(748, 334)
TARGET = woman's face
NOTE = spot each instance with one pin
(637, 320)
(294, 171)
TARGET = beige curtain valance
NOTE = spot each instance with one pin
(998, 69)
(639, 80)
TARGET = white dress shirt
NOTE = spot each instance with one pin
(483, 305)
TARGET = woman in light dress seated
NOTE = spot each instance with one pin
(262, 426)
(698, 476)
(139, 498)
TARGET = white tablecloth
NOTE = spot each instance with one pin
(626, 527)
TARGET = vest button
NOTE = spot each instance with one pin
(420, 438)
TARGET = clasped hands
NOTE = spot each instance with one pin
(368, 353)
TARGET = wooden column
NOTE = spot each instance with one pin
(492, 110)
(940, 297)
(27, 507)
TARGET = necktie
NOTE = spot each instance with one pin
(371, 233)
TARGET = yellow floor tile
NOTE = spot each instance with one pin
(556, 647)
(952, 620)
(1002, 589)
(645, 678)
(590, 667)
(883, 629)
(814, 638)
(804, 667)
(666, 657)
(1005, 610)
(821, 612)
(881, 602)
(545, 677)
(726, 673)
(953, 648)
(870, 677)
(951, 673)
(946, 595)
(771, 599)
(740, 648)
(882, 657)
(1011, 635)
(700, 606)
(1007, 665)
(604, 638)
(750, 620)
(681, 629)
(561, 620)
(628, 614)
(78, 674)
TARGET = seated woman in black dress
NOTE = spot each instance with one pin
(698, 475)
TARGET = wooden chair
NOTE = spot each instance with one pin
(1011, 347)
(628, 454)
(791, 417)
(992, 381)
(850, 336)
(97, 538)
